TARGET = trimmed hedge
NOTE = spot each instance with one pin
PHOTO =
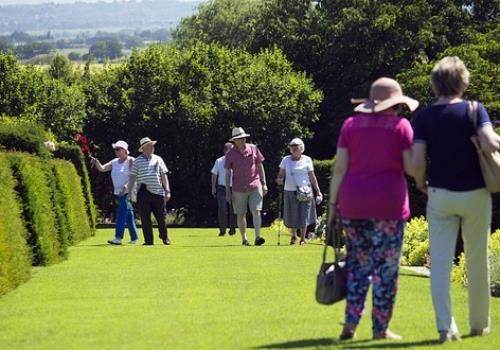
(72, 201)
(74, 154)
(40, 219)
(24, 136)
(15, 255)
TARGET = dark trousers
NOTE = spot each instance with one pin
(148, 203)
(223, 210)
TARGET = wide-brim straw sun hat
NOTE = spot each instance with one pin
(384, 94)
(145, 141)
(238, 133)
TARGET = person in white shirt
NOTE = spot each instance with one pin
(120, 168)
(296, 171)
(224, 209)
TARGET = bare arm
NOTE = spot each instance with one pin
(102, 168)
(407, 162)
(314, 182)
(339, 171)
(166, 186)
(281, 177)
(419, 165)
(214, 183)
(262, 175)
(488, 138)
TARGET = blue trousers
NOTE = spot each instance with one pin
(125, 217)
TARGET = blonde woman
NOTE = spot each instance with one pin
(296, 170)
(457, 197)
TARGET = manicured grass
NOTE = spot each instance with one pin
(204, 292)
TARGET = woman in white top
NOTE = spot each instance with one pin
(120, 169)
(296, 171)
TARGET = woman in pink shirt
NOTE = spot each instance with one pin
(369, 192)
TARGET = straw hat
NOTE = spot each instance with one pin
(238, 133)
(145, 141)
(384, 93)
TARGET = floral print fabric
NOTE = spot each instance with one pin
(373, 254)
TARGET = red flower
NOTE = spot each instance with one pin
(83, 142)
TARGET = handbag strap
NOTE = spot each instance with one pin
(336, 241)
(473, 106)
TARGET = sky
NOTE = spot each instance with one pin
(11, 2)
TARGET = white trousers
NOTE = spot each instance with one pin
(447, 211)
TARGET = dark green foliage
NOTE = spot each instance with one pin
(324, 170)
(74, 154)
(22, 135)
(38, 211)
(189, 100)
(15, 256)
(73, 201)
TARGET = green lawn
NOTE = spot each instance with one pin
(204, 292)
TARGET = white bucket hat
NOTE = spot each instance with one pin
(238, 133)
(144, 142)
(120, 144)
(384, 93)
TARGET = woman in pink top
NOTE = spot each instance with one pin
(369, 191)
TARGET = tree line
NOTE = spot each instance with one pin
(280, 69)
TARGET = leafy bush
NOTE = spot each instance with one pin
(74, 154)
(323, 170)
(15, 257)
(73, 201)
(459, 272)
(415, 244)
(38, 210)
(22, 135)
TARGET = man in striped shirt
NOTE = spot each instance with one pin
(150, 173)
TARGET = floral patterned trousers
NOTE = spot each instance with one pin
(373, 254)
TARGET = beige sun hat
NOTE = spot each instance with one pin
(238, 133)
(144, 142)
(384, 93)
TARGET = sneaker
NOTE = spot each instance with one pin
(222, 234)
(115, 241)
(446, 336)
(147, 243)
(232, 233)
(245, 242)
(166, 241)
(479, 332)
(134, 241)
(260, 241)
(387, 335)
(302, 242)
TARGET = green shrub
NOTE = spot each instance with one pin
(73, 201)
(21, 135)
(74, 154)
(38, 209)
(323, 170)
(459, 272)
(495, 263)
(15, 257)
(415, 249)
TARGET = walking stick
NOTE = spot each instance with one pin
(280, 217)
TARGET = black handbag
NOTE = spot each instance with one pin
(331, 279)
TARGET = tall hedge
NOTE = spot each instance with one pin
(38, 210)
(73, 201)
(15, 255)
(74, 154)
(22, 135)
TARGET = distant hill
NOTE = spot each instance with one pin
(93, 16)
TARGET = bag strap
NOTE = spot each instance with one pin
(336, 242)
(473, 107)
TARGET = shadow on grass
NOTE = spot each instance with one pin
(353, 344)
(304, 343)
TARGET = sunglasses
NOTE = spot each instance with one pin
(294, 145)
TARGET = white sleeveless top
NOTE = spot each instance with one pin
(119, 174)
